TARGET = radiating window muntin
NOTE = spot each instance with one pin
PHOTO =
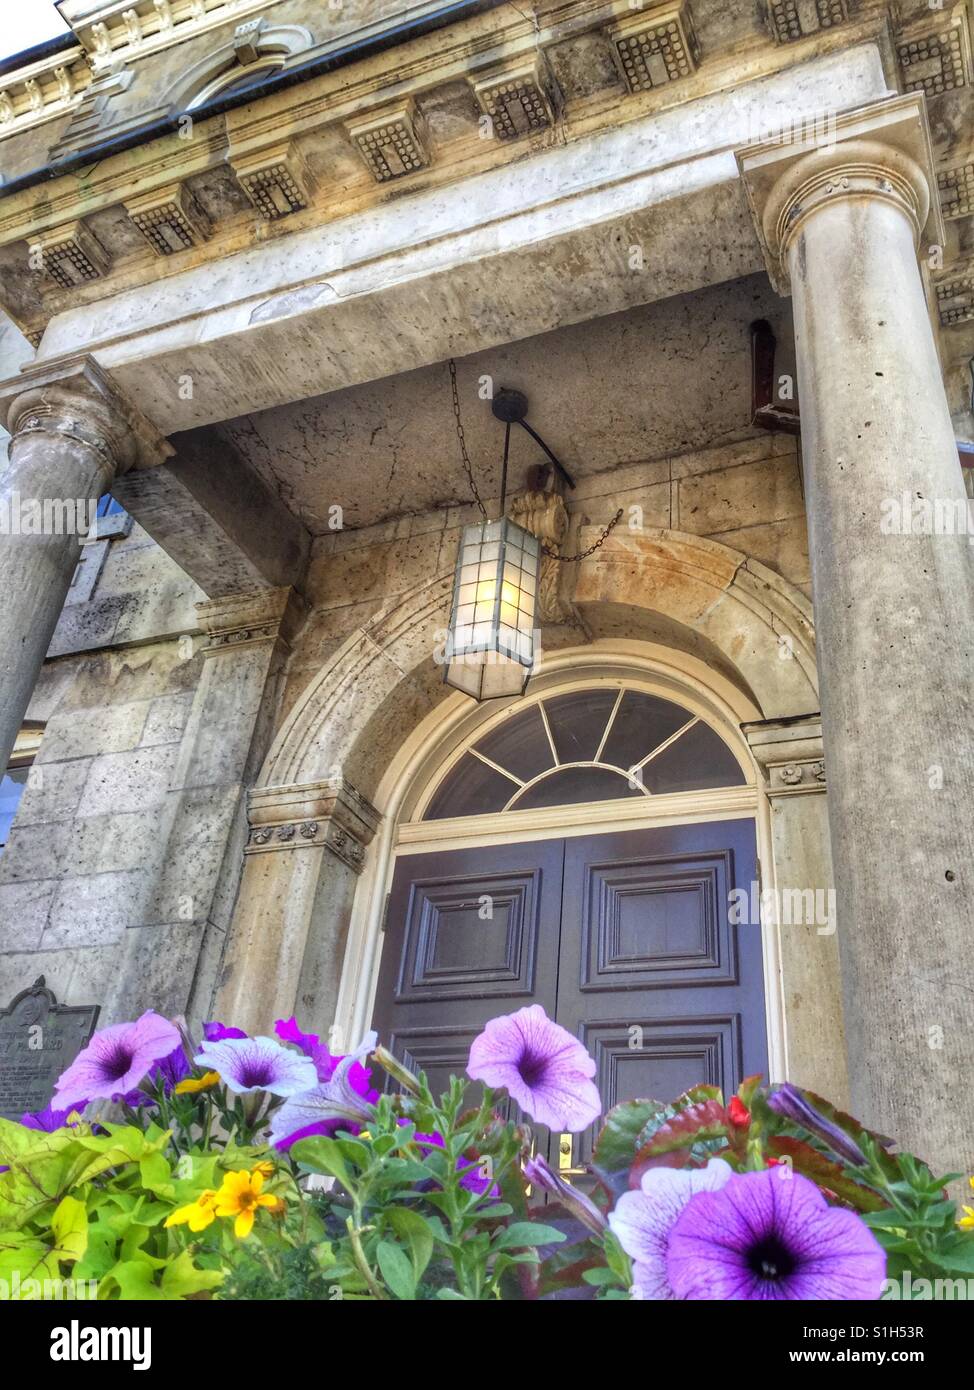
(599, 743)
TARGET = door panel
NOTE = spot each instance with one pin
(470, 934)
(661, 986)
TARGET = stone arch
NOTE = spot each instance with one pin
(674, 589)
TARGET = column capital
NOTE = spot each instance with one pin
(76, 400)
(244, 620)
(881, 150)
(330, 812)
(789, 753)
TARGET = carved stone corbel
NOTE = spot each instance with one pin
(545, 515)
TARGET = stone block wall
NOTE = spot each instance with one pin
(77, 874)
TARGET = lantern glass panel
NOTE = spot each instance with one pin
(490, 646)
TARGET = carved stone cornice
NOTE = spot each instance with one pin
(77, 400)
(249, 619)
(329, 813)
(789, 753)
(882, 150)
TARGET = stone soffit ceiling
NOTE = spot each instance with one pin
(651, 382)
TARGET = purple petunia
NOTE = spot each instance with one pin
(116, 1060)
(789, 1101)
(538, 1173)
(257, 1064)
(342, 1101)
(542, 1066)
(310, 1044)
(49, 1120)
(772, 1235)
(216, 1032)
(643, 1221)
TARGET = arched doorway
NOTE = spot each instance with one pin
(579, 849)
(683, 618)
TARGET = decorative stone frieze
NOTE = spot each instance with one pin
(956, 186)
(329, 813)
(789, 754)
(955, 296)
(655, 46)
(934, 61)
(169, 218)
(275, 179)
(791, 20)
(111, 31)
(245, 620)
(519, 97)
(72, 255)
(391, 143)
(42, 91)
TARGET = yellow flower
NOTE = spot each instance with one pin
(198, 1214)
(240, 1196)
(193, 1084)
(266, 1167)
(967, 1220)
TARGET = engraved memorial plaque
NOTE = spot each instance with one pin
(39, 1039)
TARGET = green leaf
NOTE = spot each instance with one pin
(156, 1175)
(527, 1233)
(824, 1172)
(702, 1120)
(323, 1155)
(956, 1253)
(411, 1228)
(181, 1278)
(396, 1269)
(69, 1226)
(616, 1145)
(135, 1282)
(24, 1258)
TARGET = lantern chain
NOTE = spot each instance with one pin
(584, 554)
(468, 466)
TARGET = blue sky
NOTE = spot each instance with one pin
(26, 22)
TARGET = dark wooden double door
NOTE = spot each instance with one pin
(627, 940)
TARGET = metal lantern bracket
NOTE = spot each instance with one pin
(511, 408)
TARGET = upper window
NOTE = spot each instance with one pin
(11, 790)
(587, 745)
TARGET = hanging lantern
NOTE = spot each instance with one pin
(490, 646)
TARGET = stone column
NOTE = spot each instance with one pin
(306, 847)
(801, 901)
(894, 608)
(72, 435)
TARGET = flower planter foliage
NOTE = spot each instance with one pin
(269, 1168)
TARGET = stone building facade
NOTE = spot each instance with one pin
(726, 251)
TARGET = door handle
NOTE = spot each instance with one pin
(565, 1150)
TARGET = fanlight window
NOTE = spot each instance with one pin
(586, 745)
